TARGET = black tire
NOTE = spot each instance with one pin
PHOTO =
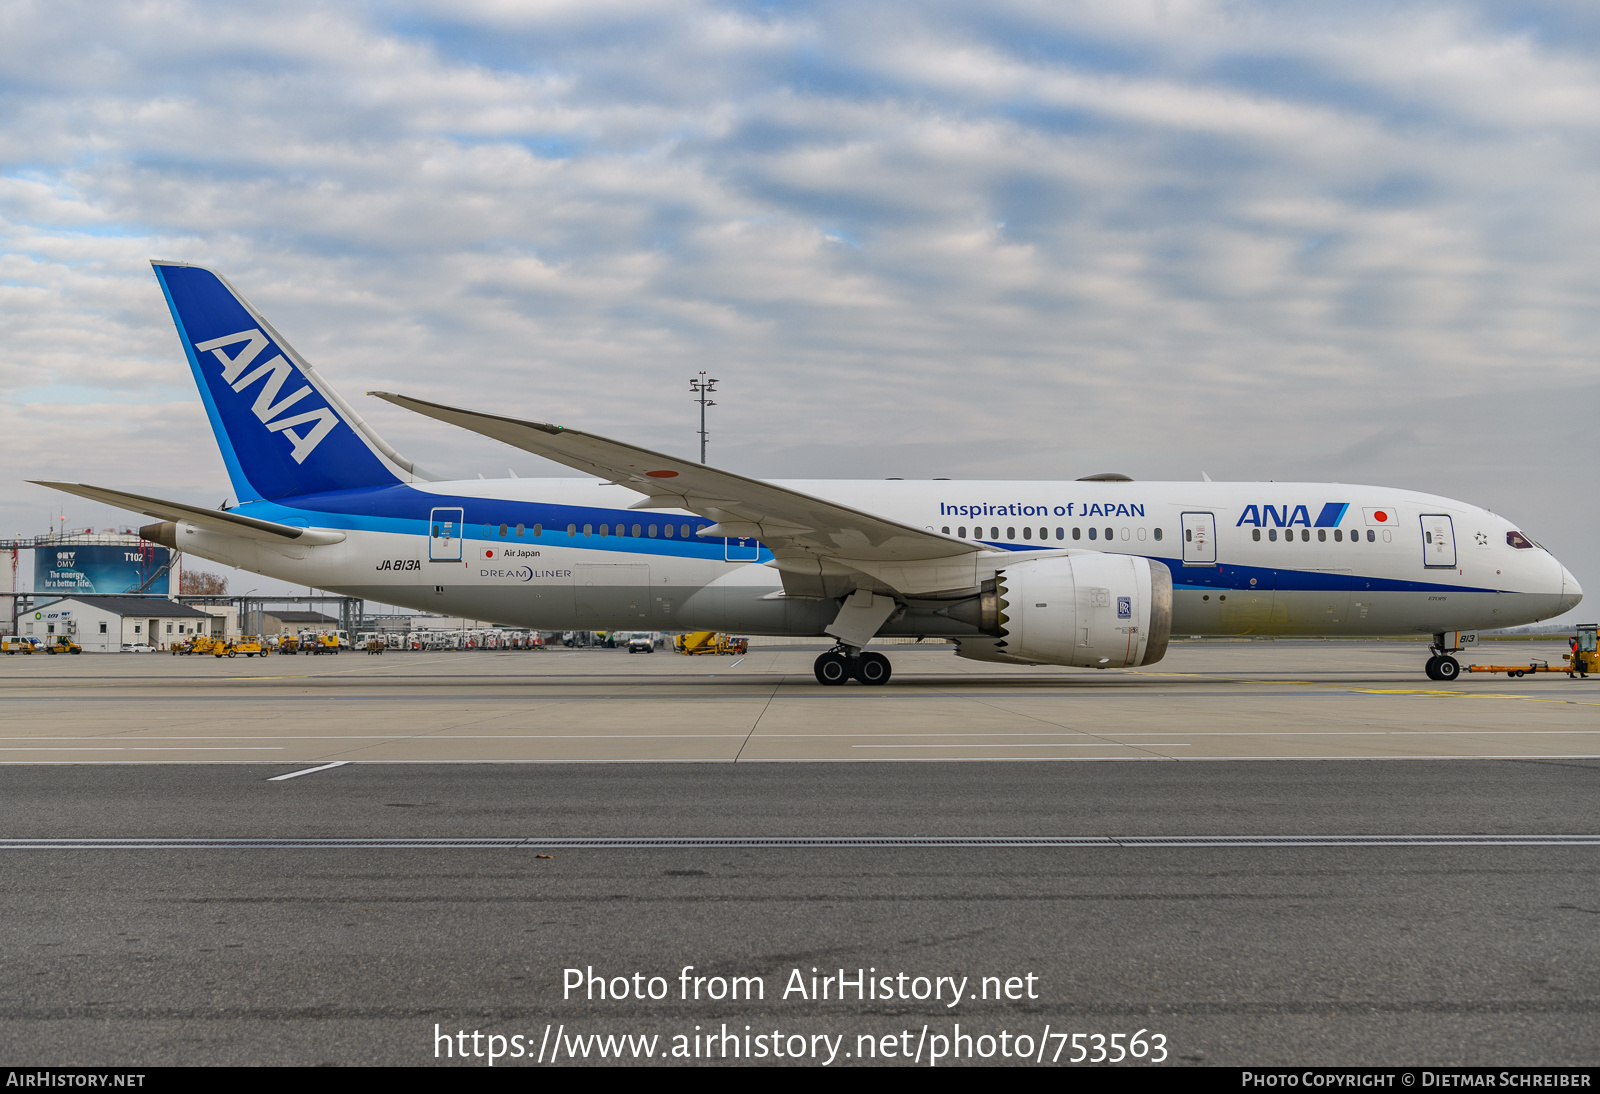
(1432, 668)
(873, 669)
(832, 669)
(1447, 669)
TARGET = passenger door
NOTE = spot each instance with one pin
(1199, 539)
(1438, 541)
(444, 535)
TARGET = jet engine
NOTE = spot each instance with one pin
(1091, 610)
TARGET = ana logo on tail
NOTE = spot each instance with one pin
(272, 375)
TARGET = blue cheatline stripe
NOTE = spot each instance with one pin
(1332, 513)
(403, 510)
(243, 489)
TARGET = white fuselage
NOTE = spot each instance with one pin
(1246, 558)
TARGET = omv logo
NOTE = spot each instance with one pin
(305, 429)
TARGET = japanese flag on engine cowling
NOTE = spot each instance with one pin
(1382, 518)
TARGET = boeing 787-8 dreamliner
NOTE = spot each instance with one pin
(1096, 572)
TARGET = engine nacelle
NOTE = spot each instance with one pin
(1092, 610)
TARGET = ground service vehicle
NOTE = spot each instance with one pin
(14, 643)
(641, 642)
(62, 644)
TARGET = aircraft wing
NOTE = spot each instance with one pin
(214, 520)
(807, 535)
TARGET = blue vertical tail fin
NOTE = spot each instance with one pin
(282, 429)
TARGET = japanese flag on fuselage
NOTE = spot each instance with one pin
(1382, 518)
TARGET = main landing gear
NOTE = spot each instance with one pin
(1441, 666)
(842, 663)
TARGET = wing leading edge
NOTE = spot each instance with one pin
(820, 547)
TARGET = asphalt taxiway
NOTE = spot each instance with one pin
(1254, 700)
(1300, 911)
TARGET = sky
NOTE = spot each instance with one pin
(1352, 243)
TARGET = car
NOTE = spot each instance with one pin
(136, 647)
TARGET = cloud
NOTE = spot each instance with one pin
(1016, 240)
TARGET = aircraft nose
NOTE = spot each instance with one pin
(1571, 591)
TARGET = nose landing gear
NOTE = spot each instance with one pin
(841, 663)
(1441, 666)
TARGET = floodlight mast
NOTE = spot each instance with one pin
(703, 387)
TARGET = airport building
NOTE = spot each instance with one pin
(282, 621)
(104, 624)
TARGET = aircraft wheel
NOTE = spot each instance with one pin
(1447, 669)
(873, 669)
(832, 669)
(1432, 668)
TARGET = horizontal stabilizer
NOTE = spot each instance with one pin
(213, 520)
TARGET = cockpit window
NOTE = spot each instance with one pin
(1519, 541)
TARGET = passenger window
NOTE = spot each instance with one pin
(520, 530)
(538, 530)
(635, 531)
(1077, 533)
(1305, 535)
(651, 531)
(1027, 533)
(1427, 537)
(1061, 533)
(1011, 533)
(1108, 533)
(1044, 533)
(1322, 535)
(503, 531)
(1188, 535)
(1094, 533)
(1338, 536)
(605, 530)
(1515, 539)
(946, 531)
(1272, 535)
(669, 531)
(1372, 536)
(572, 529)
(697, 531)
(1255, 534)
(1125, 533)
(962, 531)
(1158, 535)
(588, 529)
(994, 533)
(1141, 534)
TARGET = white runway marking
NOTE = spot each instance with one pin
(307, 771)
(676, 842)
